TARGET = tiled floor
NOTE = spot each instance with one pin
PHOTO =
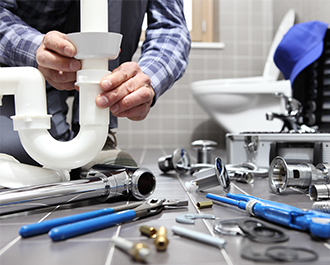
(95, 248)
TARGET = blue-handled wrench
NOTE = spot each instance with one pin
(75, 225)
(317, 223)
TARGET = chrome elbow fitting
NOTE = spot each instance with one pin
(282, 175)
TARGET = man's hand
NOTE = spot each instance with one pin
(127, 92)
(55, 61)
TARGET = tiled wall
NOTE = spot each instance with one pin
(246, 28)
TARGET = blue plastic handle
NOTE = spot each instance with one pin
(45, 226)
(90, 225)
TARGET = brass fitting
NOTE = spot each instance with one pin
(161, 240)
(205, 204)
(148, 231)
(139, 252)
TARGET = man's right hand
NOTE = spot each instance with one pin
(55, 61)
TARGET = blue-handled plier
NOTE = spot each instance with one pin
(317, 223)
(74, 225)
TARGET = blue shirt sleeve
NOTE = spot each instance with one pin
(18, 41)
(164, 54)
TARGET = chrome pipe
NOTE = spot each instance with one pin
(282, 175)
(101, 185)
(319, 192)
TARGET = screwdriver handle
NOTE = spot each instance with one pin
(90, 225)
(45, 226)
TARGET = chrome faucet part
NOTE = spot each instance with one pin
(204, 149)
(282, 175)
(190, 218)
(319, 192)
(102, 185)
(241, 176)
(291, 117)
(248, 167)
(211, 177)
(178, 161)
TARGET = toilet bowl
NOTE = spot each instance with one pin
(241, 104)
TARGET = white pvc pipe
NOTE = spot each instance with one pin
(31, 119)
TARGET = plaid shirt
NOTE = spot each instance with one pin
(164, 54)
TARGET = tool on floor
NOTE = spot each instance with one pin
(78, 227)
(161, 241)
(251, 228)
(138, 251)
(282, 175)
(190, 218)
(198, 236)
(317, 223)
(119, 181)
(45, 226)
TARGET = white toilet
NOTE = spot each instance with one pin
(241, 104)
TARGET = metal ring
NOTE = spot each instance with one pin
(233, 229)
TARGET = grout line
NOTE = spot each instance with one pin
(9, 245)
(222, 251)
(112, 248)
(14, 241)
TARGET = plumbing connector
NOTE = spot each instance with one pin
(161, 241)
(318, 192)
(137, 251)
(148, 231)
(204, 149)
(211, 177)
(282, 175)
(322, 206)
(178, 161)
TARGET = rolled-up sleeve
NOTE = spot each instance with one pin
(164, 54)
(18, 41)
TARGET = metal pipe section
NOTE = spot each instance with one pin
(282, 175)
(102, 185)
(319, 192)
(211, 177)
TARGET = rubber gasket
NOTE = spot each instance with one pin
(260, 232)
(290, 254)
(255, 255)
